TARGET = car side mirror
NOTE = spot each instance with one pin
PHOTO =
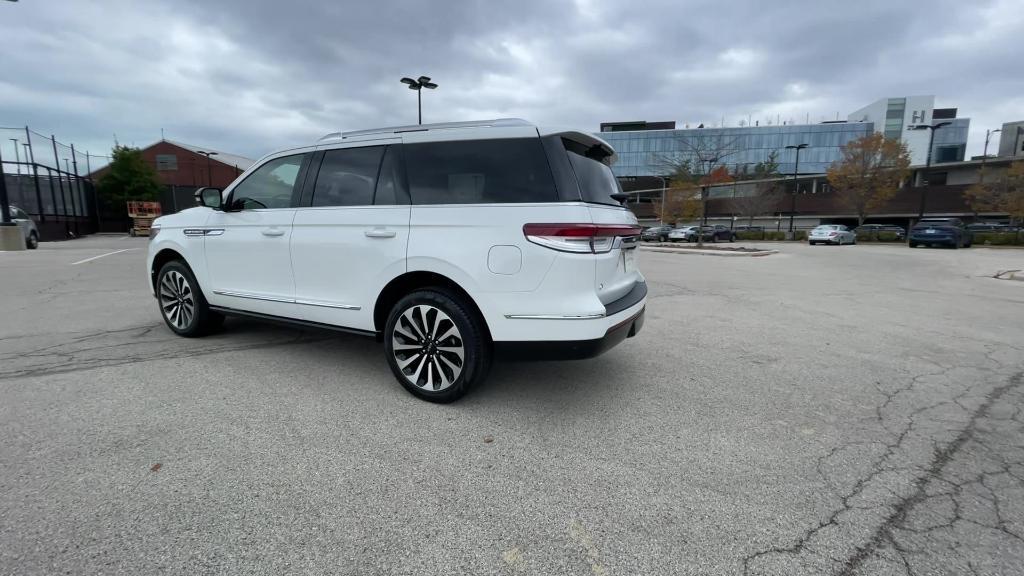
(209, 197)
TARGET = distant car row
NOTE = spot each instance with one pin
(926, 232)
(715, 233)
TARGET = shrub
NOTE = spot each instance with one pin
(999, 238)
(800, 235)
(882, 236)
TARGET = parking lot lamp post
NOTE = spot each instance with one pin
(796, 182)
(984, 154)
(664, 185)
(418, 85)
(209, 166)
(928, 159)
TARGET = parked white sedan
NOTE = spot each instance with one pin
(684, 233)
(831, 234)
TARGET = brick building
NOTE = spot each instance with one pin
(179, 164)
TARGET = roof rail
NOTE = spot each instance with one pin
(495, 123)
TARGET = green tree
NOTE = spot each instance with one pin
(869, 173)
(129, 177)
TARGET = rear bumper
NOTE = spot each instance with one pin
(571, 349)
(931, 239)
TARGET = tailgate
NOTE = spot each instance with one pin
(616, 272)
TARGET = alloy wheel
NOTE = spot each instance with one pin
(177, 300)
(428, 348)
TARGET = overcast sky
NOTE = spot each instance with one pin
(250, 76)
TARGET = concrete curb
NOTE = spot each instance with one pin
(696, 252)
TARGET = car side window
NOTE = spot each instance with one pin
(271, 185)
(348, 177)
(390, 191)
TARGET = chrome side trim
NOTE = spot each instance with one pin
(203, 231)
(254, 296)
(327, 304)
(554, 316)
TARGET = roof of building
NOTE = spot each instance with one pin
(223, 157)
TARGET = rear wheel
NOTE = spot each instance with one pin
(913, 244)
(33, 240)
(182, 304)
(436, 345)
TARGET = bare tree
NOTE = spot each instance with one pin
(765, 197)
(699, 164)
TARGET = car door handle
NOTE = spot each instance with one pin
(272, 232)
(379, 233)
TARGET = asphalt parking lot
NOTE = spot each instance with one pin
(825, 410)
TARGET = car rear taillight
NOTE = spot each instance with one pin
(579, 238)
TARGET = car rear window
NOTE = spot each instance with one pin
(479, 172)
(596, 180)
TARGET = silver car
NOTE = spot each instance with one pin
(684, 233)
(831, 234)
(28, 227)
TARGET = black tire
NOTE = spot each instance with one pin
(732, 238)
(443, 306)
(202, 320)
(913, 244)
(33, 240)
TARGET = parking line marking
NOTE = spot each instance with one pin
(101, 256)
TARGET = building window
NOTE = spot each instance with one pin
(166, 162)
(938, 178)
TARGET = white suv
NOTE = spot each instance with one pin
(451, 243)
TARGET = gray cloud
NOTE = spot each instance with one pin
(250, 76)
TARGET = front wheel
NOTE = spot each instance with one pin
(913, 244)
(436, 345)
(182, 304)
(732, 238)
(33, 240)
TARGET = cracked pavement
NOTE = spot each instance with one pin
(827, 410)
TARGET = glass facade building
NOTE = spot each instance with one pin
(653, 152)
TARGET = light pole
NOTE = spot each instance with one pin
(663, 186)
(928, 159)
(209, 166)
(984, 155)
(796, 182)
(418, 85)
(5, 214)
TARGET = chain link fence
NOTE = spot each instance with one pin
(49, 180)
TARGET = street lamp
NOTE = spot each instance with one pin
(984, 155)
(418, 85)
(663, 186)
(796, 182)
(209, 166)
(928, 159)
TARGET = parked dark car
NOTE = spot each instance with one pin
(718, 232)
(990, 227)
(940, 232)
(874, 229)
(656, 233)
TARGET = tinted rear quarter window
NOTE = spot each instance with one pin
(596, 180)
(479, 172)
